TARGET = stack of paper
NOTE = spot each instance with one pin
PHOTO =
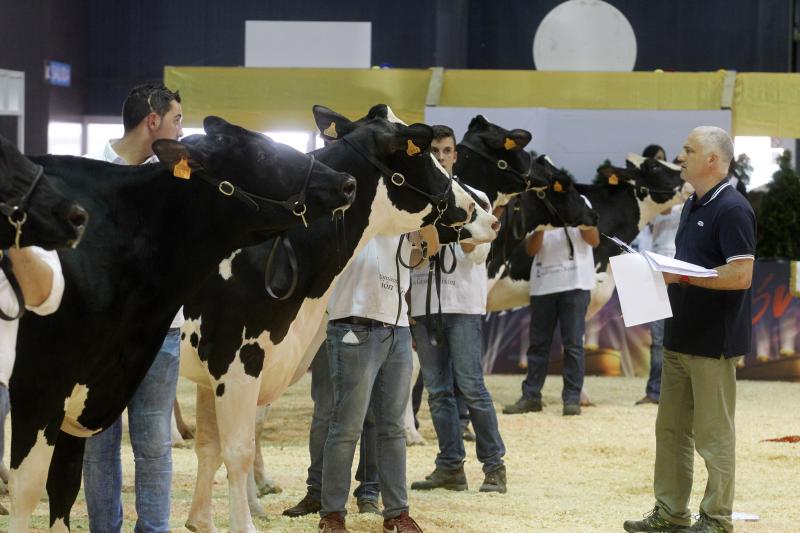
(640, 284)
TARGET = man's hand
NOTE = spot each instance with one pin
(669, 277)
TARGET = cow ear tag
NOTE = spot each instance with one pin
(330, 131)
(509, 144)
(558, 187)
(182, 169)
(613, 179)
(412, 149)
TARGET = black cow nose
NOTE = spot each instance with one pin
(349, 189)
(496, 225)
(77, 216)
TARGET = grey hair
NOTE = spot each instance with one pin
(716, 140)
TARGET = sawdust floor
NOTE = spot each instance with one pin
(576, 474)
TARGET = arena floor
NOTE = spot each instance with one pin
(577, 474)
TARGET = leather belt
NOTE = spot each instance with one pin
(360, 321)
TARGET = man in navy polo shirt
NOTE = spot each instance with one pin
(708, 333)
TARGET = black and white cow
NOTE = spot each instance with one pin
(630, 199)
(32, 208)
(158, 231)
(244, 348)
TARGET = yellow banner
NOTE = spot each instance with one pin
(281, 99)
(582, 90)
(767, 104)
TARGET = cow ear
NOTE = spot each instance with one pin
(414, 139)
(516, 139)
(213, 124)
(332, 126)
(378, 111)
(479, 122)
(177, 157)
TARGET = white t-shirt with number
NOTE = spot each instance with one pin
(553, 271)
(463, 290)
(368, 286)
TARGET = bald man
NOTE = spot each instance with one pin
(706, 336)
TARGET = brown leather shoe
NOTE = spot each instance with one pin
(402, 523)
(646, 400)
(305, 506)
(332, 523)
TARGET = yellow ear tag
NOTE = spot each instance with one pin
(509, 144)
(558, 187)
(330, 131)
(412, 149)
(613, 179)
(182, 169)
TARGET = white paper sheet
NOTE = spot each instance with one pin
(642, 291)
(662, 263)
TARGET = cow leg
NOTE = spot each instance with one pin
(28, 474)
(209, 459)
(263, 481)
(413, 436)
(64, 479)
(236, 415)
(256, 509)
(183, 428)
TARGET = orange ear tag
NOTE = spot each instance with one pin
(558, 187)
(412, 149)
(509, 144)
(613, 179)
(182, 169)
(330, 131)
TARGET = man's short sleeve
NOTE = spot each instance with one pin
(737, 234)
(50, 305)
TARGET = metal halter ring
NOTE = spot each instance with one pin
(226, 188)
(501, 164)
(18, 226)
(398, 179)
(299, 212)
(540, 194)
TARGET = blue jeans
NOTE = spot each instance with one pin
(369, 370)
(458, 361)
(568, 309)
(149, 418)
(322, 394)
(656, 359)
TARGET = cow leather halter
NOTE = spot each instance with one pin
(296, 203)
(399, 180)
(5, 266)
(17, 213)
(502, 164)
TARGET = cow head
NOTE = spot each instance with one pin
(418, 188)
(493, 159)
(560, 203)
(31, 209)
(482, 227)
(654, 180)
(279, 183)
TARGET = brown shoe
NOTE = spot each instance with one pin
(402, 523)
(305, 506)
(332, 523)
(646, 400)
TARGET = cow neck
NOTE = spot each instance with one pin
(464, 169)
(649, 208)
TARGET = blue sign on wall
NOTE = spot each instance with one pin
(58, 73)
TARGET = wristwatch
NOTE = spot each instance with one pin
(683, 281)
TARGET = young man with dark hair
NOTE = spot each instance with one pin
(150, 112)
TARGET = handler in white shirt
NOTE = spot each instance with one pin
(562, 277)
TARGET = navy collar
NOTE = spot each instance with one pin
(711, 194)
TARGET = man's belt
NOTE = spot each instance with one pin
(361, 321)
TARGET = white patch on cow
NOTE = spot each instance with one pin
(464, 200)
(480, 229)
(191, 367)
(73, 408)
(391, 117)
(226, 266)
(26, 483)
(59, 526)
(502, 199)
(507, 293)
(671, 166)
(636, 159)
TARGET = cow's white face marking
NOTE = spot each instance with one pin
(481, 228)
(391, 117)
(226, 266)
(73, 408)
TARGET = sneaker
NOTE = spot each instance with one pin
(646, 400)
(705, 524)
(443, 479)
(571, 409)
(402, 523)
(495, 481)
(652, 522)
(523, 405)
(307, 505)
(332, 523)
(468, 435)
(368, 506)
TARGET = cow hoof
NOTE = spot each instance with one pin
(187, 433)
(197, 529)
(269, 488)
(415, 439)
(182, 445)
(3, 489)
(3, 510)
(257, 511)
